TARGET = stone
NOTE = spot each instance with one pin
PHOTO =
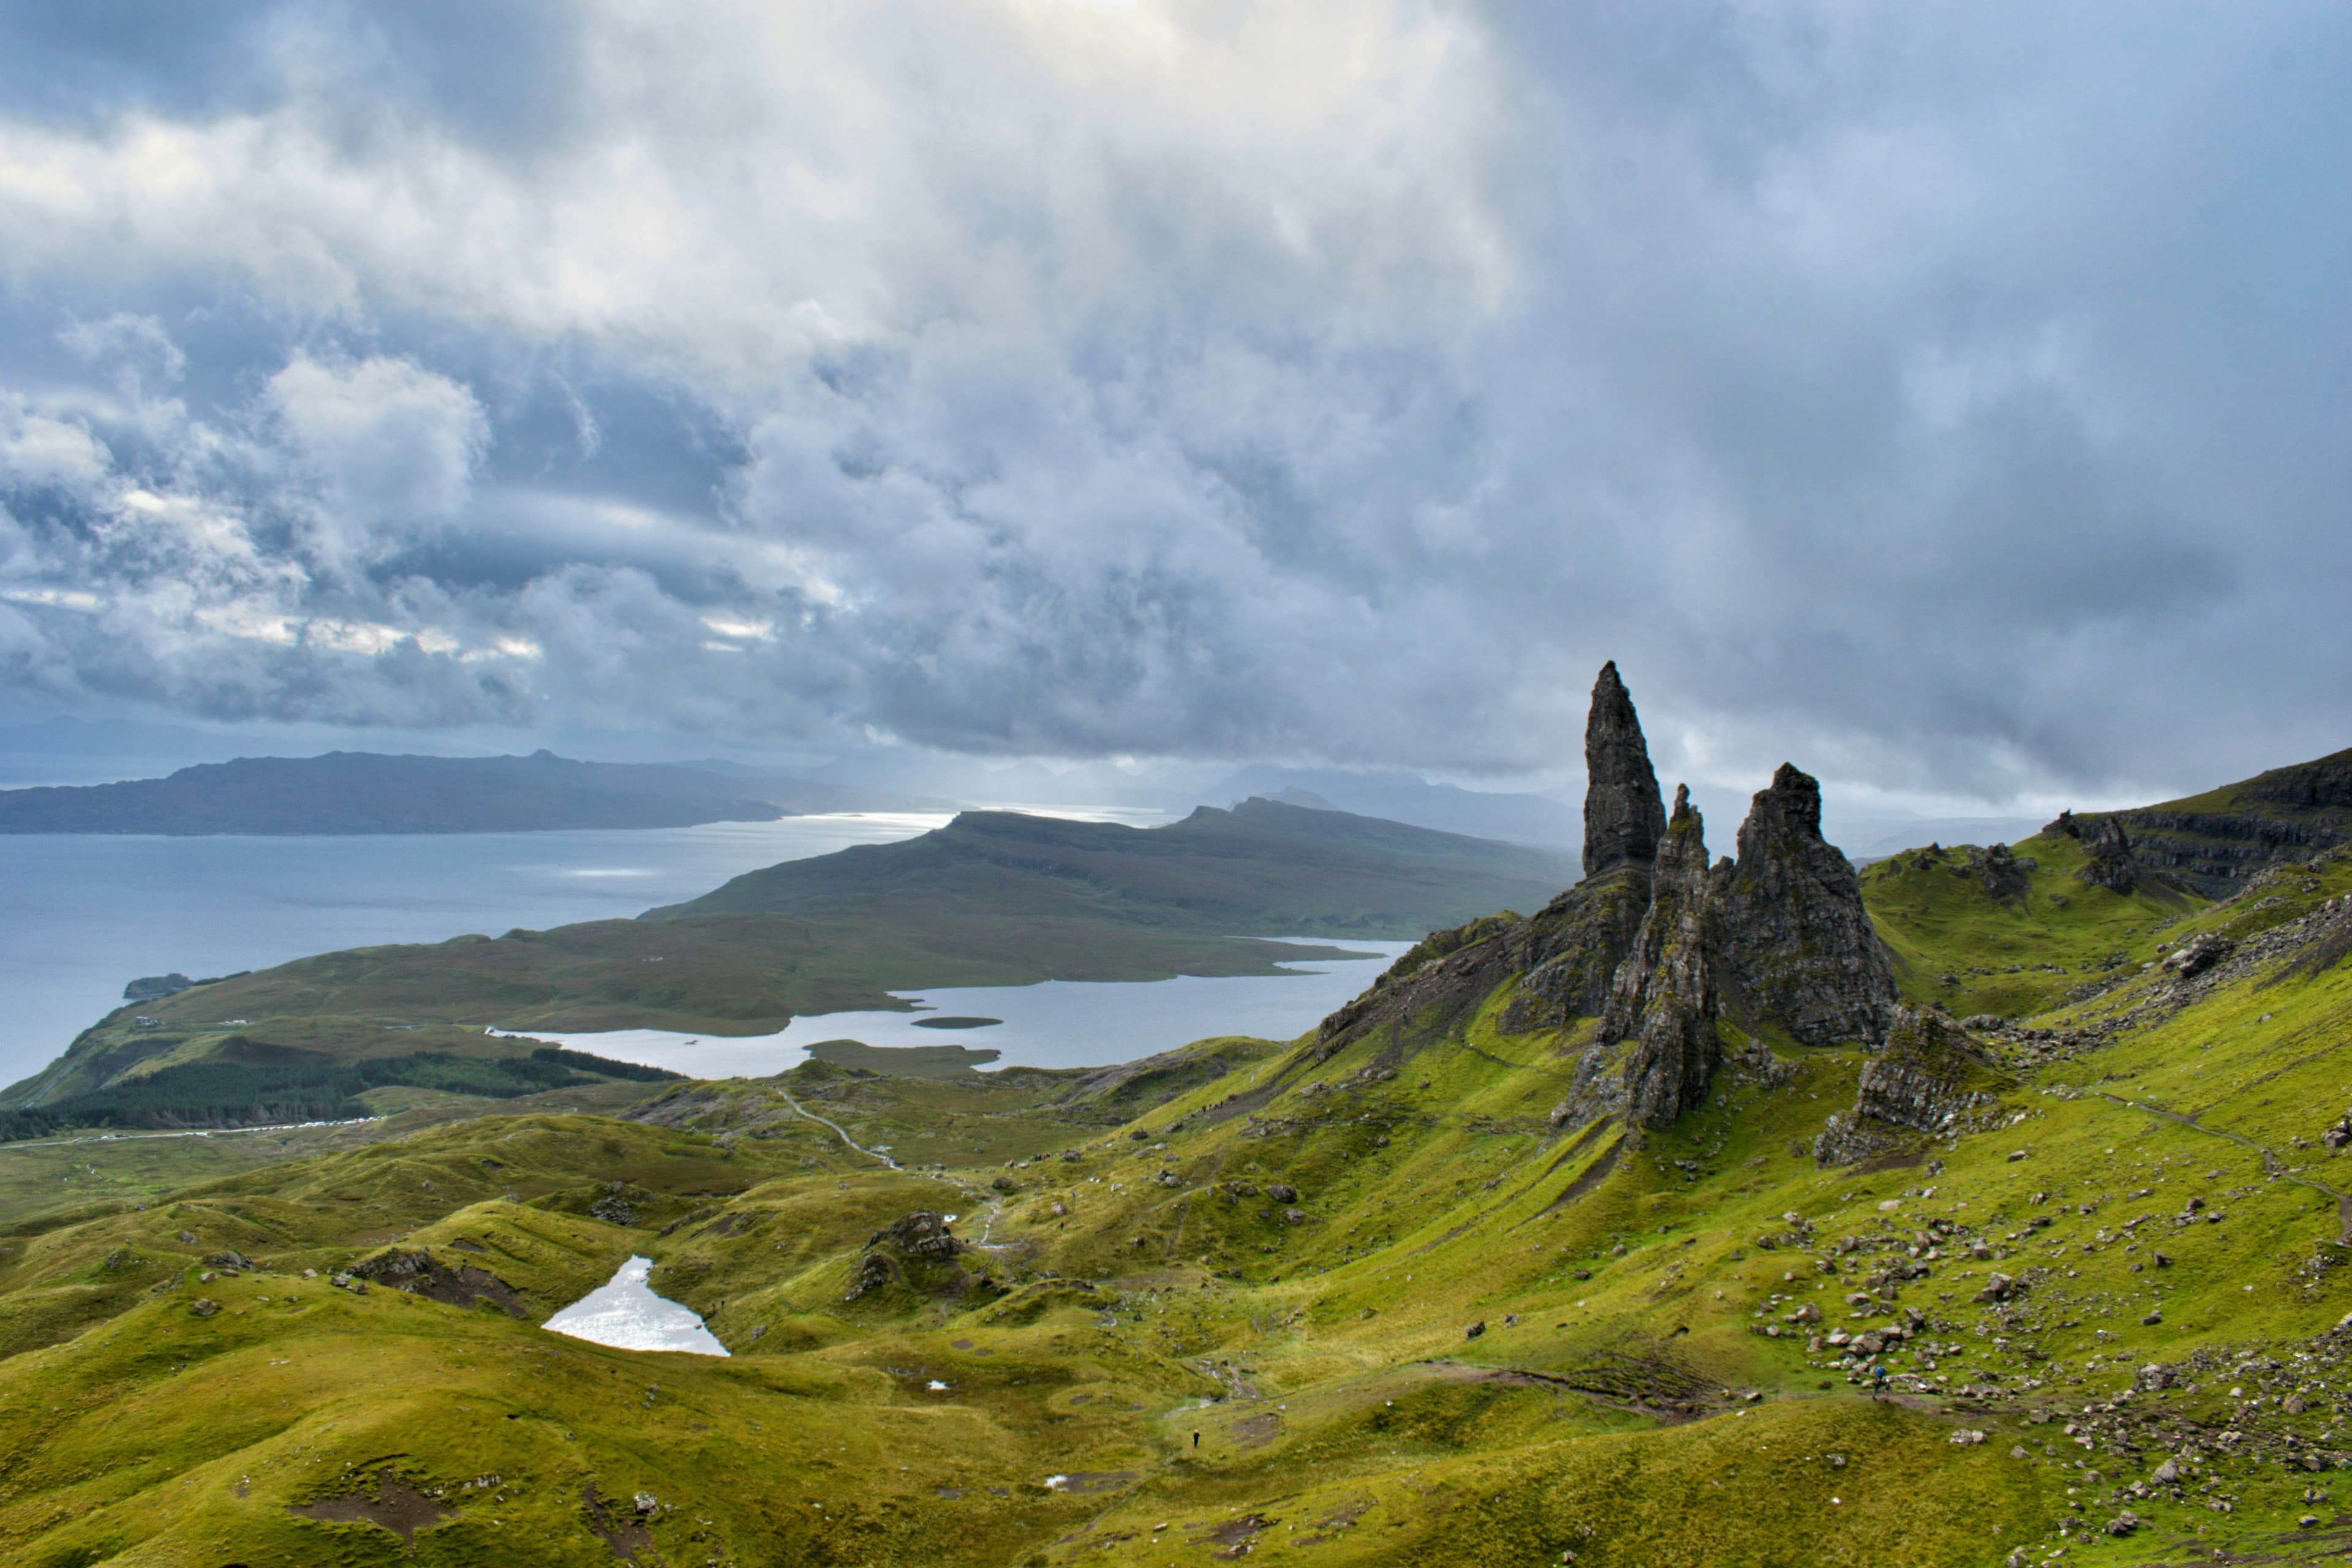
(1797, 947)
(2199, 955)
(1931, 1073)
(613, 1211)
(2165, 1473)
(1474, 1331)
(2000, 1286)
(875, 1271)
(1664, 998)
(202, 1307)
(1625, 818)
(1282, 1193)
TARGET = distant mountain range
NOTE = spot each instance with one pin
(361, 791)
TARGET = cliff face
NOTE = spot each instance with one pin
(1663, 994)
(2215, 842)
(1797, 946)
(1624, 816)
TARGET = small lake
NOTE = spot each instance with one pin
(627, 1315)
(1057, 1024)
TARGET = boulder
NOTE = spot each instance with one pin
(2000, 1286)
(1930, 1074)
(2199, 955)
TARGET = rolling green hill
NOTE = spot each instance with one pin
(1260, 870)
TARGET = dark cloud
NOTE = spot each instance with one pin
(1948, 396)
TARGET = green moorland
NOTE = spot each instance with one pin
(993, 899)
(1972, 936)
(1372, 1308)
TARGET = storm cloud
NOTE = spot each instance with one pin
(1953, 397)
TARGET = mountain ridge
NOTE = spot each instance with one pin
(367, 791)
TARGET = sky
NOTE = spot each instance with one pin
(1953, 398)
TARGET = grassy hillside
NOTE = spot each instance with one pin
(1976, 936)
(1263, 869)
(1368, 1309)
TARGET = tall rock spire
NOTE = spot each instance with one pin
(1624, 816)
(1663, 996)
(1797, 945)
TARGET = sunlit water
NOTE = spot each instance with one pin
(627, 1315)
(1057, 1024)
(80, 915)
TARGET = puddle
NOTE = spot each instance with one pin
(627, 1315)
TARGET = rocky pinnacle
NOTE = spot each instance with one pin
(1795, 941)
(1624, 816)
(1663, 996)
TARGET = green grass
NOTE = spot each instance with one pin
(1153, 1288)
(1965, 948)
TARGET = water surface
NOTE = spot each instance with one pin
(82, 914)
(1054, 1024)
(627, 1315)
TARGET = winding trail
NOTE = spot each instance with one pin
(836, 1127)
(2272, 1165)
(995, 1203)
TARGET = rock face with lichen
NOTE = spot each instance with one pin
(1624, 816)
(1931, 1074)
(1570, 950)
(1663, 998)
(1796, 945)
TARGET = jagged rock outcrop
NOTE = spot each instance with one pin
(915, 1250)
(417, 1272)
(1624, 816)
(1652, 942)
(2102, 838)
(1663, 998)
(1796, 944)
(1929, 1075)
(1569, 951)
